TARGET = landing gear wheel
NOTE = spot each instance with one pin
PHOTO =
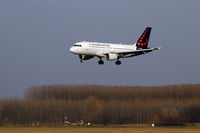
(118, 62)
(101, 62)
(81, 58)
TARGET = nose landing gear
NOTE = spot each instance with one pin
(81, 57)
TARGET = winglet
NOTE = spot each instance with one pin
(159, 48)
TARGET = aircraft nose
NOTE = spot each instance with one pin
(72, 49)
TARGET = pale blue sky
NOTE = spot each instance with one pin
(35, 36)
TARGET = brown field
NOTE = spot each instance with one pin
(101, 130)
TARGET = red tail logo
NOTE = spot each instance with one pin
(144, 39)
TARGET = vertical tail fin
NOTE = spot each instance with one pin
(143, 41)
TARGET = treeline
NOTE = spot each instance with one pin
(49, 105)
(107, 93)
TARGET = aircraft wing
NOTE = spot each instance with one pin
(136, 52)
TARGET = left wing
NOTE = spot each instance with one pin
(136, 52)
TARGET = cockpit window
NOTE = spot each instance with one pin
(77, 45)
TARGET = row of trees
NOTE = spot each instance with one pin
(107, 93)
(48, 105)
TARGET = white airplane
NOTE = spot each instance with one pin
(110, 51)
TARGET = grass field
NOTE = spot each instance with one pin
(101, 130)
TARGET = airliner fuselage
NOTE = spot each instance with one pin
(99, 49)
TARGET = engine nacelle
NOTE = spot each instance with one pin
(111, 56)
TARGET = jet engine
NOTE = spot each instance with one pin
(111, 56)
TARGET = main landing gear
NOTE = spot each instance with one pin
(118, 62)
(100, 62)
